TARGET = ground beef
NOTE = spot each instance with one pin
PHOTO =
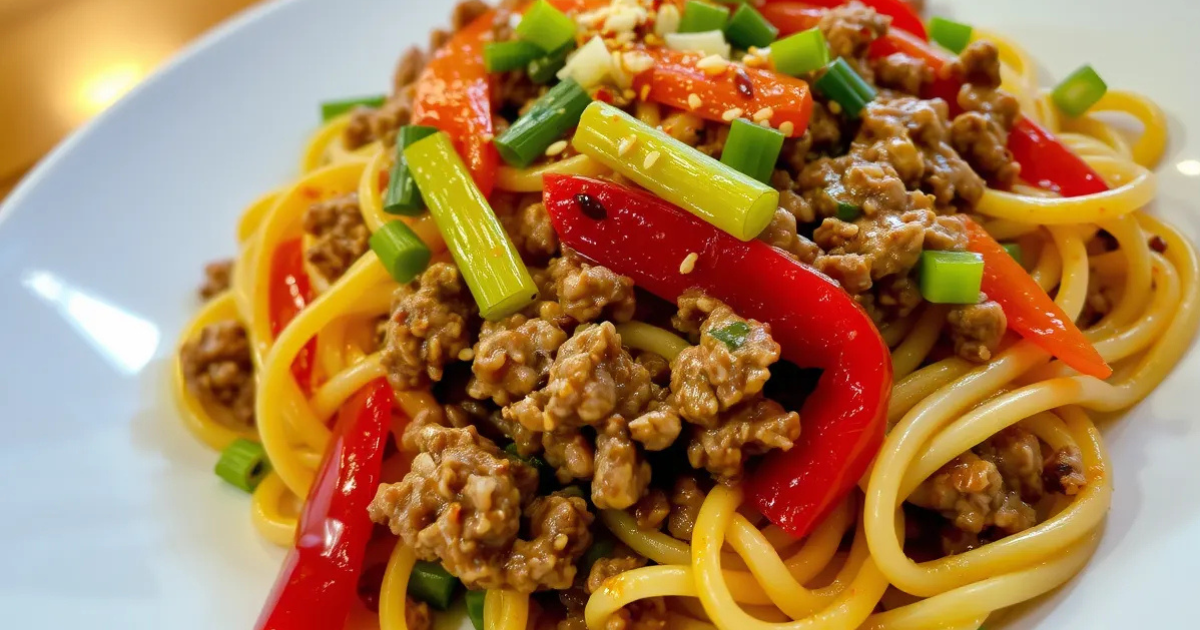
(652, 510)
(822, 137)
(658, 427)
(903, 73)
(656, 366)
(622, 472)
(980, 133)
(849, 31)
(218, 368)
(716, 375)
(340, 236)
(621, 560)
(569, 452)
(686, 499)
(782, 233)
(586, 292)
(645, 614)
(752, 428)
(417, 615)
(217, 277)
(512, 358)
(528, 225)
(428, 327)
(1063, 471)
(976, 329)
(891, 298)
(558, 525)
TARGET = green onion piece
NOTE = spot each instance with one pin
(400, 250)
(752, 149)
(953, 36)
(485, 255)
(550, 118)
(842, 84)
(601, 548)
(543, 69)
(951, 277)
(333, 109)
(546, 27)
(243, 464)
(1079, 91)
(707, 43)
(801, 53)
(749, 28)
(726, 198)
(733, 335)
(430, 583)
(508, 56)
(848, 211)
(532, 460)
(475, 608)
(1014, 250)
(699, 17)
(402, 196)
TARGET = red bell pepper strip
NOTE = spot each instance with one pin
(454, 95)
(1029, 310)
(815, 322)
(675, 78)
(290, 292)
(903, 16)
(318, 584)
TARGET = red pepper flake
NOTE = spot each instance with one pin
(591, 207)
(310, 193)
(1158, 244)
(381, 179)
(742, 81)
(604, 96)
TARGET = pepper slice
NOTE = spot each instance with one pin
(318, 583)
(815, 322)
(291, 291)
(1029, 310)
(903, 16)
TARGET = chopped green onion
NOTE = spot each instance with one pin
(953, 36)
(402, 196)
(699, 17)
(842, 84)
(733, 335)
(590, 65)
(485, 255)
(400, 250)
(432, 584)
(243, 464)
(546, 27)
(543, 69)
(508, 56)
(1079, 91)
(333, 109)
(752, 149)
(726, 198)
(475, 608)
(708, 43)
(1014, 250)
(951, 277)
(848, 211)
(749, 28)
(532, 460)
(550, 118)
(801, 53)
(601, 548)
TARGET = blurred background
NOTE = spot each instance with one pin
(63, 61)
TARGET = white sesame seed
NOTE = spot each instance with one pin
(626, 145)
(731, 114)
(694, 101)
(466, 354)
(763, 114)
(712, 65)
(689, 263)
(835, 107)
(787, 128)
(556, 148)
(651, 159)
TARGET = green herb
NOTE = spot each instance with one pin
(243, 464)
(953, 36)
(733, 335)
(333, 109)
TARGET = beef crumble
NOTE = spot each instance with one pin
(218, 369)
(218, 275)
(340, 235)
(429, 327)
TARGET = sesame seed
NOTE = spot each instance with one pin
(466, 354)
(645, 92)
(689, 263)
(835, 107)
(626, 145)
(712, 65)
(628, 94)
(651, 159)
(556, 148)
(787, 128)
(763, 114)
(731, 114)
(694, 101)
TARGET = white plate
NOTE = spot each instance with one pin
(112, 517)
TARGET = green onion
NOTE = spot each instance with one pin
(726, 198)
(848, 211)
(699, 17)
(1014, 250)
(842, 84)
(400, 250)
(333, 109)
(543, 69)
(475, 608)
(508, 56)
(402, 196)
(733, 335)
(749, 28)
(601, 548)
(1079, 91)
(532, 460)
(708, 43)
(950, 277)
(482, 250)
(243, 464)
(550, 118)
(801, 53)
(546, 27)
(590, 65)
(430, 583)
(953, 36)
(752, 149)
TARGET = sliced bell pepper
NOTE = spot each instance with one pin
(674, 80)
(1029, 310)
(454, 95)
(815, 322)
(903, 16)
(317, 586)
(290, 292)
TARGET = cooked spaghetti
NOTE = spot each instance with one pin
(652, 314)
